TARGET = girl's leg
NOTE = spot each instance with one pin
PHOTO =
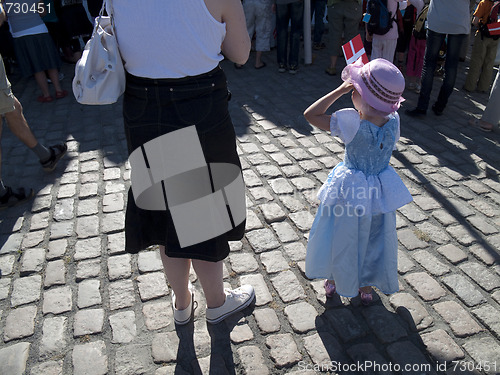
(54, 77)
(177, 271)
(41, 80)
(210, 275)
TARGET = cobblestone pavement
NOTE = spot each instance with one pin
(72, 302)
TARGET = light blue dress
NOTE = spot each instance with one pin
(353, 238)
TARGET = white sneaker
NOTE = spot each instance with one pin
(236, 300)
(417, 88)
(182, 317)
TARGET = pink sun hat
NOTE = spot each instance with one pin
(379, 83)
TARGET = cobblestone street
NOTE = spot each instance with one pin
(73, 302)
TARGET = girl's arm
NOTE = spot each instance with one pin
(315, 114)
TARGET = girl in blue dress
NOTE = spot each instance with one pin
(353, 242)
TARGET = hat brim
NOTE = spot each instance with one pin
(352, 74)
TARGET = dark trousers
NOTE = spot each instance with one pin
(453, 47)
(286, 13)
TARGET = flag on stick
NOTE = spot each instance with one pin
(354, 49)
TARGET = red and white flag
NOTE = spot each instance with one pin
(354, 50)
(494, 28)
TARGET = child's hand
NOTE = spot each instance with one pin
(345, 87)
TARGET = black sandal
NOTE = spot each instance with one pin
(12, 198)
(56, 153)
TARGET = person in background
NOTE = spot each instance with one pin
(454, 27)
(491, 115)
(172, 51)
(289, 11)
(318, 8)
(343, 19)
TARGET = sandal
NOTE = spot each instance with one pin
(44, 99)
(366, 298)
(262, 66)
(478, 124)
(330, 289)
(56, 153)
(61, 94)
(11, 198)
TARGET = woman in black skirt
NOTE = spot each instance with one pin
(187, 192)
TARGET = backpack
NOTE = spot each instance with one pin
(492, 18)
(381, 20)
(420, 27)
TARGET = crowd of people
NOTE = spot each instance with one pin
(178, 70)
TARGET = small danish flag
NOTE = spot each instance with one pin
(494, 28)
(354, 49)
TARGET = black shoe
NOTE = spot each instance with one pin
(415, 112)
(56, 153)
(13, 198)
(436, 110)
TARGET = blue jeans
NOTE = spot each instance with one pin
(284, 13)
(453, 47)
(318, 8)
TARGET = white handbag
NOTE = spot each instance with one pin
(99, 74)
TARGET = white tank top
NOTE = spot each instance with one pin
(167, 39)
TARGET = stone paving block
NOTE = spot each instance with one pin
(88, 322)
(459, 320)
(267, 320)
(452, 253)
(33, 239)
(366, 354)
(88, 207)
(487, 256)
(464, 289)
(158, 315)
(243, 263)
(123, 327)
(90, 358)
(113, 222)
(54, 337)
(87, 226)
(121, 294)
(441, 346)
(56, 249)
(164, 347)
(309, 166)
(426, 203)
(87, 269)
(444, 217)
(292, 204)
(411, 310)
(430, 263)
(262, 240)
(26, 290)
(347, 326)
(89, 293)
(64, 209)
(485, 351)
(281, 186)
(113, 202)
(7, 264)
(274, 261)
(260, 193)
(433, 233)
(241, 332)
(88, 248)
(295, 251)
(119, 266)
(481, 275)
(42, 203)
(462, 234)
(283, 350)
(55, 273)
(302, 316)
(57, 300)
(405, 264)
(251, 179)
(272, 212)
(285, 232)
(412, 213)
(149, 261)
(48, 368)
(152, 285)
(303, 220)
(288, 286)
(488, 316)
(324, 350)
(252, 360)
(13, 358)
(40, 221)
(482, 225)
(281, 159)
(116, 243)
(426, 287)
(409, 240)
(291, 171)
(20, 323)
(4, 287)
(262, 294)
(384, 324)
(11, 243)
(253, 221)
(268, 171)
(133, 359)
(404, 353)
